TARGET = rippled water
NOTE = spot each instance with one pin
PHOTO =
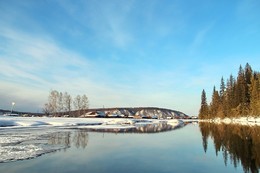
(192, 148)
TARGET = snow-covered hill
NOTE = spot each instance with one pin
(142, 112)
(137, 112)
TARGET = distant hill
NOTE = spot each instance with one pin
(136, 112)
(3, 111)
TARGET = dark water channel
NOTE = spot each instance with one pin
(192, 148)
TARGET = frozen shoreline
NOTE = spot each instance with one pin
(247, 121)
(24, 138)
(23, 122)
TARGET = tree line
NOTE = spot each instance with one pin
(236, 97)
(62, 103)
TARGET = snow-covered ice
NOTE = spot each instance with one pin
(43, 121)
(29, 137)
(20, 144)
(88, 123)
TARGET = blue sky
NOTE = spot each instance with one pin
(124, 53)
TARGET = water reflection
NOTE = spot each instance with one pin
(78, 138)
(154, 128)
(238, 144)
(141, 128)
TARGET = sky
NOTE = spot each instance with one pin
(156, 53)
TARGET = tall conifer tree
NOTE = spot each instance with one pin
(241, 91)
(214, 106)
(222, 89)
(204, 110)
(248, 76)
(255, 94)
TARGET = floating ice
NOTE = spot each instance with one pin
(20, 145)
(13, 153)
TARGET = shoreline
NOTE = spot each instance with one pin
(247, 121)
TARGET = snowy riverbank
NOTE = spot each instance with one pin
(250, 121)
(22, 122)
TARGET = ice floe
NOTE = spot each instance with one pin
(24, 144)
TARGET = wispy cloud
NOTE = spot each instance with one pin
(35, 64)
(33, 53)
(31, 65)
(107, 21)
(200, 38)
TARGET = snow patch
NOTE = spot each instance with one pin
(248, 121)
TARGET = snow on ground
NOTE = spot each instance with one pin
(250, 121)
(13, 122)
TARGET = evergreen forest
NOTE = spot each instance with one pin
(237, 96)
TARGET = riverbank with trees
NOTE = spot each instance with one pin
(237, 97)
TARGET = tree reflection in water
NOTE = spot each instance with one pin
(155, 128)
(239, 144)
(78, 138)
(141, 128)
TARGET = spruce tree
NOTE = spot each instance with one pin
(215, 103)
(204, 110)
(222, 93)
(248, 76)
(222, 89)
(241, 92)
(230, 95)
(255, 94)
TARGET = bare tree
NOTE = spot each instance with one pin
(67, 102)
(78, 104)
(46, 109)
(60, 102)
(84, 103)
(53, 101)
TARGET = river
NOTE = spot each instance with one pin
(194, 147)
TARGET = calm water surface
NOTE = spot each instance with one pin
(192, 148)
